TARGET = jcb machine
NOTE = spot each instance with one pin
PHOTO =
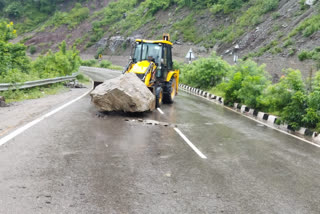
(152, 62)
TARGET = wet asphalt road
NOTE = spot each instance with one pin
(99, 74)
(79, 162)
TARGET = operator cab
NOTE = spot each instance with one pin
(159, 52)
(147, 51)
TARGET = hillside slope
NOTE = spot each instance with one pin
(275, 32)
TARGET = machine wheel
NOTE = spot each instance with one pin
(159, 97)
(170, 91)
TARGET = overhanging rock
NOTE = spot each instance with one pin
(125, 93)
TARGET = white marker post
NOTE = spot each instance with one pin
(190, 56)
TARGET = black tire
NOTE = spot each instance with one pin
(95, 84)
(169, 91)
(159, 97)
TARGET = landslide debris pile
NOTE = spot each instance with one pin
(125, 93)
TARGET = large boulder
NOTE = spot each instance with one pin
(125, 93)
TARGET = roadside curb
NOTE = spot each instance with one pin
(263, 117)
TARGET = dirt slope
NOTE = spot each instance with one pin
(274, 26)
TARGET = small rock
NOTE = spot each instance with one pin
(3, 102)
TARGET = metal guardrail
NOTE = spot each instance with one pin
(31, 84)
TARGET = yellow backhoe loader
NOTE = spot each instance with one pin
(152, 62)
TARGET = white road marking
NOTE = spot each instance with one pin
(159, 109)
(29, 125)
(190, 144)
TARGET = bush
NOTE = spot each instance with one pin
(288, 43)
(105, 64)
(279, 95)
(65, 62)
(308, 26)
(303, 55)
(246, 84)
(88, 63)
(82, 78)
(205, 72)
(32, 49)
(294, 113)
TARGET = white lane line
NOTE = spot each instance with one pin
(190, 144)
(159, 110)
(29, 125)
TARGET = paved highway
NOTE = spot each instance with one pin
(78, 161)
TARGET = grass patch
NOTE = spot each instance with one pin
(102, 64)
(72, 18)
(33, 93)
(83, 78)
(307, 27)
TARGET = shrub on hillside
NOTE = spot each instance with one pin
(205, 72)
(105, 64)
(32, 49)
(88, 63)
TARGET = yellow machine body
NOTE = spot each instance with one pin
(152, 62)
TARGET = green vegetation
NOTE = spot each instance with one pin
(33, 93)
(33, 13)
(105, 64)
(307, 27)
(314, 55)
(64, 62)
(102, 64)
(82, 78)
(89, 63)
(32, 49)
(13, 60)
(262, 50)
(189, 33)
(126, 16)
(205, 72)
(72, 18)
(250, 84)
(16, 67)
